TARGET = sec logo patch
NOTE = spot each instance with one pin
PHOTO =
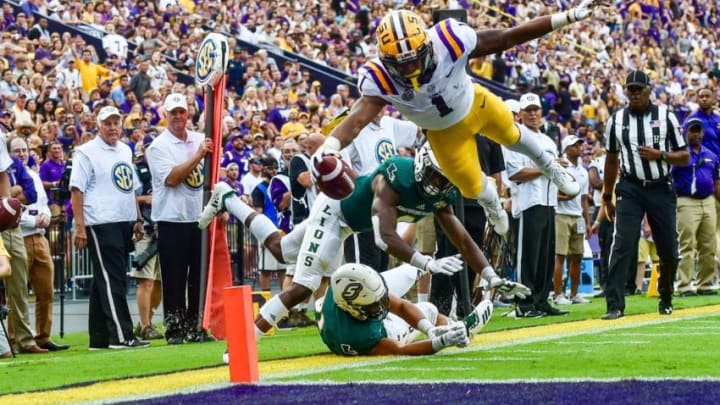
(122, 177)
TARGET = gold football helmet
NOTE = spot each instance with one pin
(405, 47)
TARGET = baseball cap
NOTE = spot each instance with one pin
(569, 141)
(637, 78)
(259, 135)
(693, 122)
(175, 100)
(513, 105)
(529, 100)
(107, 112)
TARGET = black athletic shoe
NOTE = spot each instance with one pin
(665, 307)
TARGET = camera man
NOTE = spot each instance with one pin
(146, 265)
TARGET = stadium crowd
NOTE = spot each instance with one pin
(53, 84)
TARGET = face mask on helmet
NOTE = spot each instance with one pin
(405, 48)
(360, 291)
(429, 176)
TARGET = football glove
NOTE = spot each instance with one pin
(446, 265)
(456, 335)
(510, 289)
(583, 10)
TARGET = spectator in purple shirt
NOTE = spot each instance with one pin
(51, 172)
(698, 188)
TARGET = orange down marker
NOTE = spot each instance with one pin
(242, 348)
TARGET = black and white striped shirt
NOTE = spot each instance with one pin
(657, 128)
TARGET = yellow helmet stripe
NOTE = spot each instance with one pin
(381, 78)
(453, 44)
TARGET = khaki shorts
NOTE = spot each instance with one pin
(567, 239)
(151, 270)
(647, 249)
(425, 234)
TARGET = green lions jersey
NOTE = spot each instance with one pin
(345, 335)
(400, 175)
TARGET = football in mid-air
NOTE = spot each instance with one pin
(334, 177)
(10, 213)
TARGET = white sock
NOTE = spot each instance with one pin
(488, 196)
(423, 297)
(238, 208)
(274, 311)
(529, 146)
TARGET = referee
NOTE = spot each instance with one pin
(649, 139)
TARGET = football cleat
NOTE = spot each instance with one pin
(495, 212)
(216, 204)
(562, 179)
(479, 317)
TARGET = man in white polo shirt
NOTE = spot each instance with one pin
(176, 164)
(102, 185)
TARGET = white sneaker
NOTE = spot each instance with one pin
(494, 211)
(479, 317)
(226, 358)
(562, 179)
(561, 300)
(216, 204)
(578, 299)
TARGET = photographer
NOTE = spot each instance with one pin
(146, 265)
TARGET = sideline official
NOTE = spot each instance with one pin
(176, 166)
(102, 186)
(648, 138)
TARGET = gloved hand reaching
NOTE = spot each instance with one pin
(510, 289)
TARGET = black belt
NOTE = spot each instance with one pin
(646, 183)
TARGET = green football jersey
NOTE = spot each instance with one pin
(400, 175)
(345, 335)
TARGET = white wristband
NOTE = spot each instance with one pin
(419, 260)
(559, 20)
(424, 325)
(332, 144)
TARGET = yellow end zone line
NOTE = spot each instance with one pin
(180, 381)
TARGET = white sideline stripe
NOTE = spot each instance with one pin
(512, 342)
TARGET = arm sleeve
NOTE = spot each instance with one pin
(297, 166)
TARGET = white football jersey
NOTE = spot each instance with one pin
(115, 44)
(376, 143)
(446, 99)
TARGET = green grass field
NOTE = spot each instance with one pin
(577, 346)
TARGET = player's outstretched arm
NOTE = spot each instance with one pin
(362, 113)
(496, 40)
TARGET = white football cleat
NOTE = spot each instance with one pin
(479, 317)
(562, 179)
(216, 204)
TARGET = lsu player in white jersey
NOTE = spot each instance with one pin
(421, 72)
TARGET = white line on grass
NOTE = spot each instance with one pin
(510, 342)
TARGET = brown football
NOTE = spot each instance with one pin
(10, 213)
(335, 177)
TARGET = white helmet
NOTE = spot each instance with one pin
(360, 291)
(428, 174)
